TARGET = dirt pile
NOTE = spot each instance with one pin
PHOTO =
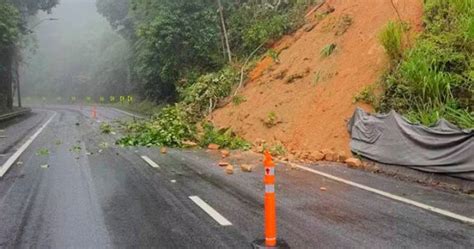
(304, 97)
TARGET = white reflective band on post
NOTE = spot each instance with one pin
(270, 239)
(270, 171)
(270, 188)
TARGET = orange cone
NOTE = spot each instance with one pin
(270, 240)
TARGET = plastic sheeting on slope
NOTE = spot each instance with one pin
(391, 139)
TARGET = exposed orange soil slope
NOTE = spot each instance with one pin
(312, 111)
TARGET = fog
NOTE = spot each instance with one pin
(74, 55)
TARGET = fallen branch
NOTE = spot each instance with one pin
(315, 9)
(242, 70)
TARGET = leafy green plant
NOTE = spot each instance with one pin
(271, 120)
(225, 138)
(76, 148)
(318, 76)
(238, 99)
(105, 128)
(367, 95)
(169, 128)
(201, 97)
(277, 150)
(391, 39)
(42, 152)
(274, 55)
(9, 25)
(328, 50)
(434, 79)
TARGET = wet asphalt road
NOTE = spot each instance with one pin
(94, 194)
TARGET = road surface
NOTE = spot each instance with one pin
(73, 188)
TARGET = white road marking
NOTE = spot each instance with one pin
(391, 196)
(210, 211)
(150, 162)
(6, 166)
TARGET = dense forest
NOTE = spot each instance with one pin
(14, 30)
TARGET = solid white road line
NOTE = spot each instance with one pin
(150, 162)
(6, 166)
(210, 211)
(391, 196)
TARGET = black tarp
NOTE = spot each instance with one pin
(391, 139)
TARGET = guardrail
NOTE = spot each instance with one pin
(14, 114)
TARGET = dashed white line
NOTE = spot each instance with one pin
(6, 166)
(210, 211)
(150, 162)
(391, 196)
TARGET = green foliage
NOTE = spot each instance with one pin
(9, 25)
(169, 128)
(274, 55)
(238, 99)
(277, 150)
(105, 128)
(271, 120)
(202, 96)
(367, 95)
(435, 79)
(181, 37)
(225, 138)
(42, 152)
(253, 23)
(328, 50)
(391, 39)
(265, 30)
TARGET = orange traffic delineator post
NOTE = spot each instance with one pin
(270, 217)
(94, 112)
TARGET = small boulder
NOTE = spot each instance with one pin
(342, 157)
(309, 27)
(229, 169)
(317, 156)
(223, 164)
(246, 168)
(353, 162)
(329, 155)
(259, 149)
(163, 150)
(225, 153)
(213, 146)
(323, 188)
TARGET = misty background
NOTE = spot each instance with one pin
(77, 55)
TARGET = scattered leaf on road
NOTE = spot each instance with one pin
(42, 152)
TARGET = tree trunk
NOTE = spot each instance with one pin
(6, 79)
(224, 29)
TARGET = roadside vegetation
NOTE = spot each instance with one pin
(192, 58)
(435, 78)
(14, 36)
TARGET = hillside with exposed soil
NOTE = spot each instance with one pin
(303, 94)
